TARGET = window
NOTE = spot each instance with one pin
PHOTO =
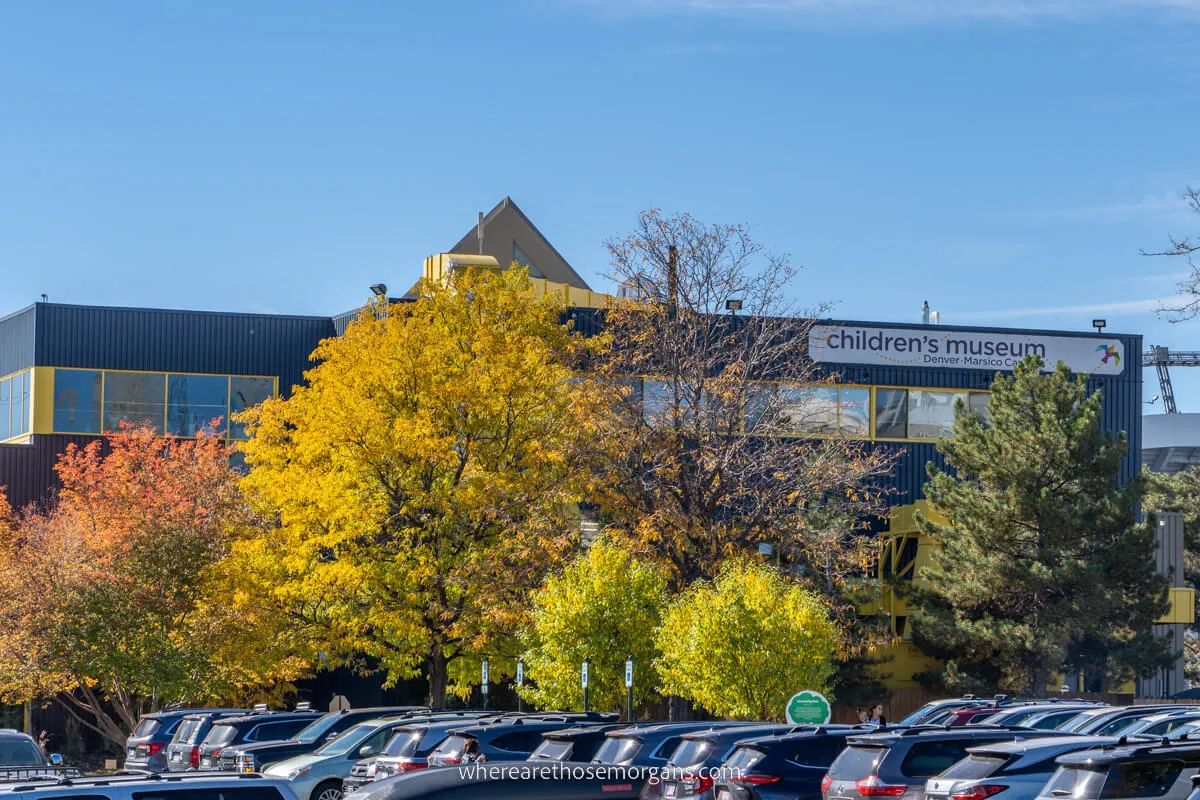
(691, 753)
(666, 749)
(403, 743)
(518, 741)
(891, 413)
(221, 734)
(744, 758)
(855, 412)
(552, 750)
(931, 414)
(974, 767)
(210, 793)
(1141, 779)
(135, 398)
(522, 259)
(19, 421)
(195, 402)
(926, 759)
(821, 752)
(856, 762)
(246, 393)
(617, 750)
(5, 407)
(274, 731)
(808, 410)
(146, 727)
(979, 405)
(1076, 783)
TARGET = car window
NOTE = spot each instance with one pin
(145, 727)
(1075, 783)
(974, 767)
(342, 744)
(1116, 726)
(856, 762)
(667, 748)
(403, 743)
(186, 730)
(452, 746)
(1168, 725)
(211, 793)
(20, 752)
(744, 758)
(691, 753)
(1043, 767)
(926, 759)
(374, 743)
(821, 752)
(274, 731)
(517, 741)
(552, 749)
(197, 733)
(319, 728)
(1052, 721)
(617, 750)
(220, 734)
(1141, 779)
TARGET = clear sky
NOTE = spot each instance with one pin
(1005, 159)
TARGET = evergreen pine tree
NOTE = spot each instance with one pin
(1041, 564)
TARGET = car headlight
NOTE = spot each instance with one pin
(370, 770)
(297, 773)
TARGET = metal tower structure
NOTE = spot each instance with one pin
(1161, 358)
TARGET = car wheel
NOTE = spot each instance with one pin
(329, 790)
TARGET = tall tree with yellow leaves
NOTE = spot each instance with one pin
(421, 478)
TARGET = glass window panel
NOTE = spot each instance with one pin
(891, 413)
(5, 406)
(20, 405)
(246, 393)
(524, 260)
(134, 397)
(979, 405)
(931, 414)
(77, 401)
(656, 402)
(855, 417)
(194, 402)
(808, 409)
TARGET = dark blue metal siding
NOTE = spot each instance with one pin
(27, 470)
(179, 341)
(17, 341)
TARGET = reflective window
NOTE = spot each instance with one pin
(931, 414)
(5, 407)
(19, 422)
(135, 398)
(246, 393)
(656, 402)
(522, 259)
(855, 412)
(77, 395)
(811, 409)
(979, 405)
(194, 402)
(891, 413)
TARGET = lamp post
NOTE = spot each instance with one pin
(629, 689)
(583, 677)
(520, 683)
(484, 684)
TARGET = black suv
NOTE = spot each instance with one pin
(687, 773)
(650, 745)
(897, 764)
(1158, 770)
(251, 757)
(573, 744)
(503, 739)
(266, 726)
(788, 766)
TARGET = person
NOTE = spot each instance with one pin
(470, 752)
(863, 716)
(877, 717)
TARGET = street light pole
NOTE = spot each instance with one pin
(484, 683)
(584, 679)
(629, 689)
(520, 683)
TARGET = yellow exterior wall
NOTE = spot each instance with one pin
(42, 396)
(1183, 608)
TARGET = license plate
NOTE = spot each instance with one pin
(669, 789)
(175, 757)
(133, 752)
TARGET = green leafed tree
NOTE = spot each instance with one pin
(742, 644)
(606, 605)
(1181, 492)
(1040, 563)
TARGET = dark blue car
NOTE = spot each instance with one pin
(777, 767)
(688, 774)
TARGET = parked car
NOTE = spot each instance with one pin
(470, 783)
(500, 740)
(1102, 720)
(650, 745)
(409, 748)
(1021, 715)
(255, 757)
(1160, 724)
(1134, 770)
(146, 747)
(183, 751)
(930, 710)
(573, 744)
(687, 772)
(1013, 770)
(782, 767)
(265, 726)
(898, 764)
(22, 759)
(318, 775)
(149, 786)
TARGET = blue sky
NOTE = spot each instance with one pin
(1005, 160)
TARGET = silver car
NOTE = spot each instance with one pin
(1013, 770)
(319, 775)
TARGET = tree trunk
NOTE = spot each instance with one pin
(435, 665)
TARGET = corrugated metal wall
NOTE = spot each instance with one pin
(17, 341)
(180, 341)
(27, 470)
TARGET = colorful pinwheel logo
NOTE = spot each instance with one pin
(1110, 351)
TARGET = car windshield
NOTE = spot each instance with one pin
(975, 767)
(452, 746)
(317, 729)
(1075, 783)
(20, 752)
(347, 741)
(220, 734)
(1079, 720)
(856, 762)
(184, 734)
(743, 759)
(919, 715)
(690, 753)
(145, 728)
(404, 743)
(1141, 779)
(617, 750)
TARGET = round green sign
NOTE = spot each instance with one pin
(808, 708)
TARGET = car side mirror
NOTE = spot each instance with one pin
(56, 759)
(332, 736)
(366, 751)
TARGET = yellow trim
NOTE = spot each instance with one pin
(43, 400)
(1182, 610)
